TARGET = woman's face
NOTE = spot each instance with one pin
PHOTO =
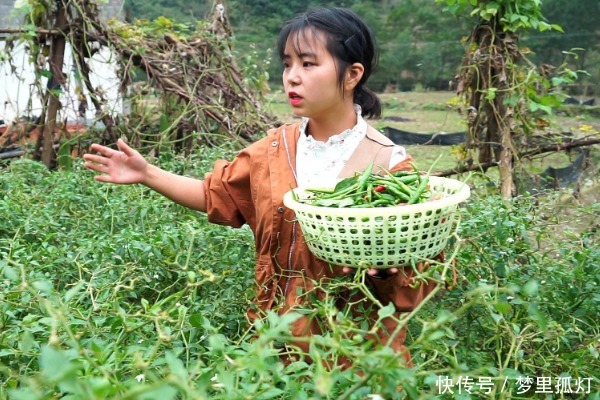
(310, 77)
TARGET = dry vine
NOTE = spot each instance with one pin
(189, 79)
(507, 97)
(485, 81)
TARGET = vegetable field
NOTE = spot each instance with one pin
(112, 292)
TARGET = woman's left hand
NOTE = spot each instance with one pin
(374, 272)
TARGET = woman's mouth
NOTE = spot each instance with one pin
(295, 98)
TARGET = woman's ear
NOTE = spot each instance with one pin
(354, 74)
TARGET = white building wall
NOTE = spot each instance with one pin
(19, 96)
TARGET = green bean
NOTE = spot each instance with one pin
(409, 178)
(369, 205)
(374, 190)
(336, 194)
(417, 194)
(424, 181)
(369, 195)
(401, 195)
(400, 184)
(362, 183)
(387, 196)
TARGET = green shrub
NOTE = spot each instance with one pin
(113, 292)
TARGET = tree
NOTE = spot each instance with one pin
(422, 44)
(579, 21)
(57, 81)
(177, 10)
(498, 87)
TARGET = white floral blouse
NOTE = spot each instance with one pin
(318, 164)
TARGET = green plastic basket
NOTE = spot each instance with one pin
(382, 237)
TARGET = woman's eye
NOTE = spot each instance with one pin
(307, 64)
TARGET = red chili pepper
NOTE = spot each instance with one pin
(379, 188)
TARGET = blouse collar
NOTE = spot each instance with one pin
(360, 128)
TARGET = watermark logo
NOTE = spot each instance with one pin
(518, 385)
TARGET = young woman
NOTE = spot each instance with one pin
(328, 55)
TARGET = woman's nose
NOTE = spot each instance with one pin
(292, 76)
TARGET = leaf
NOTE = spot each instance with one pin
(271, 393)
(73, 291)
(496, 317)
(490, 94)
(63, 158)
(344, 183)
(386, 311)
(511, 101)
(55, 365)
(46, 74)
(346, 202)
(27, 342)
(503, 307)
(164, 123)
(531, 288)
(492, 8)
(6, 352)
(176, 366)
(100, 386)
(436, 335)
(535, 106)
(323, 383)
(537, 316)
(164, 392)
(9, 273)
(197, 320)
(43, 286)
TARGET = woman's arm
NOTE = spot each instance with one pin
(127, 166)
(188, 192)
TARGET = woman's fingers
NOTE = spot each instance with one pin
(389, 271)
(109, 153)
(92, 166)
(99, 149)
(98, 168)
(125, 148)
(114, 166)
(95, 159)
(372, 271)
(104, 178)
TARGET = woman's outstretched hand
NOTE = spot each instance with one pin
(124, 166)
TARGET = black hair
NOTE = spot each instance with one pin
(349, 41)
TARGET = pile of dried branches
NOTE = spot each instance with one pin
(195, 74)
(188, 78)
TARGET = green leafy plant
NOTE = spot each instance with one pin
(507, 95)
(112, 292)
